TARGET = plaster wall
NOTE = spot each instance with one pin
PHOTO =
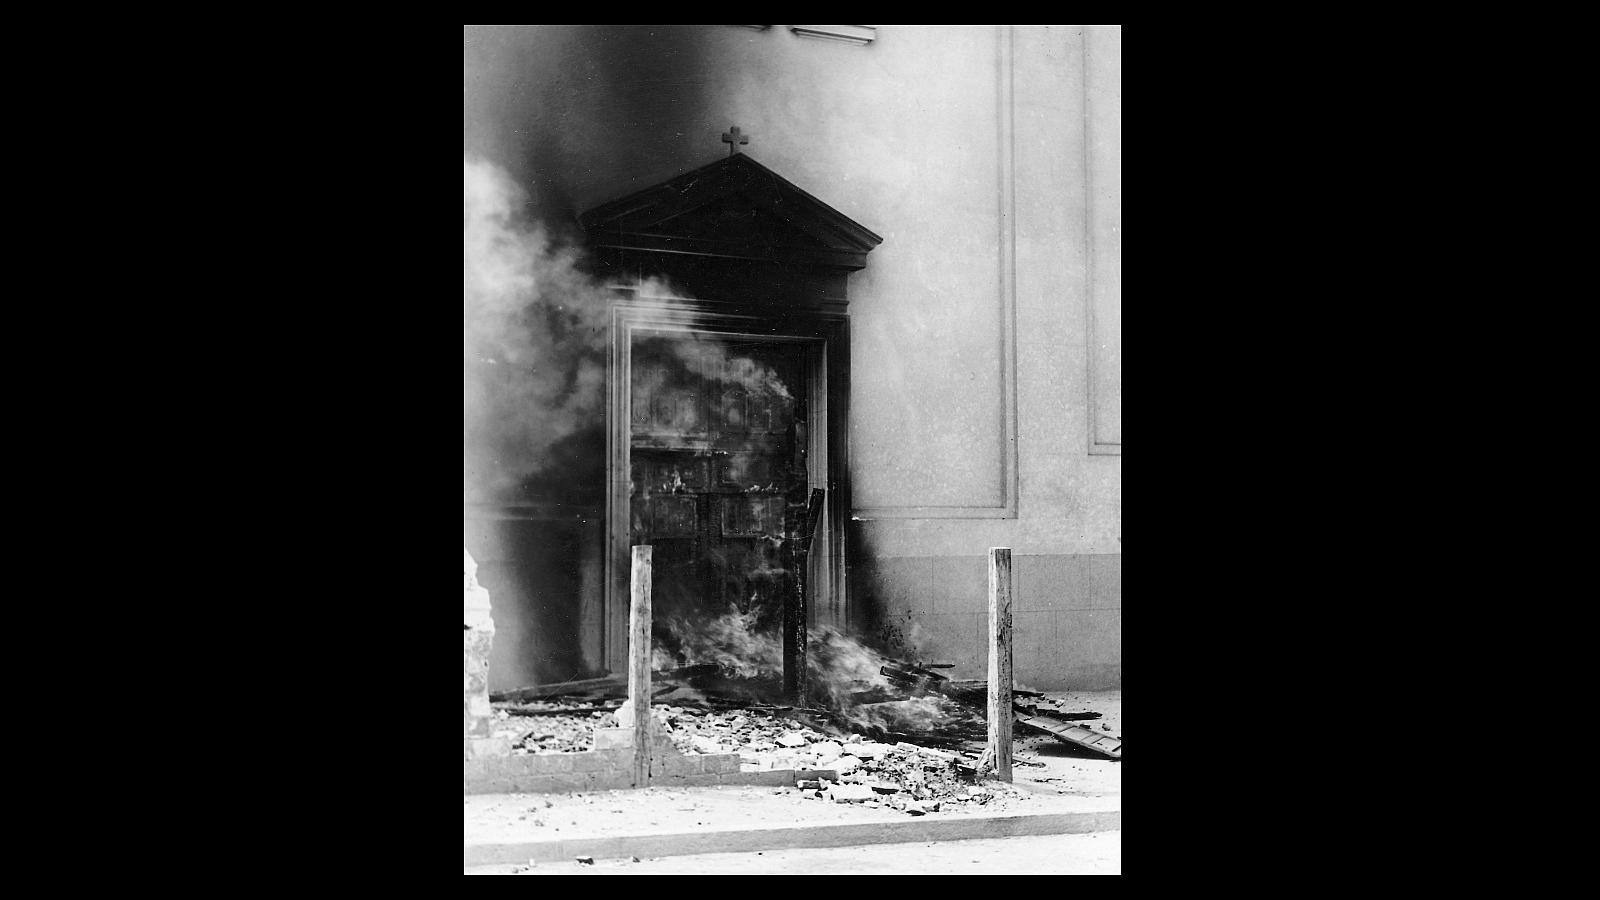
(986, 361)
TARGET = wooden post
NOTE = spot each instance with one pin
(998, 752)
(639, 664)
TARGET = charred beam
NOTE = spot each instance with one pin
(558, 711)
(597, 689)
(796, 607)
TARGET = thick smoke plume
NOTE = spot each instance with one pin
(533, 328)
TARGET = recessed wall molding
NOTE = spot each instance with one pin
(851, 34)
(1104, 286)
(1009, 486)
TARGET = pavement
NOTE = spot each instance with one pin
(1099, 853)
(1058, 790)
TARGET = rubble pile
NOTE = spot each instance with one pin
(753, 735)
(567, 733)
(913, 779)
(874, 725)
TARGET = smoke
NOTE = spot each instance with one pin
(533, 329)
(536, 329)
(734, 642)
(915, 714)
(838, 666)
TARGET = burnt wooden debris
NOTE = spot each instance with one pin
(719, 689)
(710, 687)
(1076, 735)
(920, 680)
(595, 690)
(559, 710)
(796, 608)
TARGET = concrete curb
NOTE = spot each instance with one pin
(926, 828)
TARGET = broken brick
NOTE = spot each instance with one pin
(827, 751)
(851, 793)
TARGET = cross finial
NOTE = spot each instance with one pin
(733, 139)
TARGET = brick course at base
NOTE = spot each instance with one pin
(606, 770)
(489, 769)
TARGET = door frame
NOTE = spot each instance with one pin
(826, 337)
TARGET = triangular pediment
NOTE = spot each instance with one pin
(734, 208)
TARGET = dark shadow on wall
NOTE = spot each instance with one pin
(578, 115)
(871, 621)
(534, 584)
(583, 114)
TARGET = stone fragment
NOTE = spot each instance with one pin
(851, 793)
(844, 765)
(929, 752)
(827, 751)
(793, 739)
(781, 761)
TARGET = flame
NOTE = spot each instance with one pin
(915, 714)
(838, 665)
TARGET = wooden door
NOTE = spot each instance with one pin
(718, 464)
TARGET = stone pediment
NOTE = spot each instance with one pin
(734, 208)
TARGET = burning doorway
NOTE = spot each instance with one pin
(728, 429)
(718, 446)
(729, 383)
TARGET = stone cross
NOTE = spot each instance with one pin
(733, 139)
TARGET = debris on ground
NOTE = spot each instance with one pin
(907, 736)
(848, 767)
(570, 733)
(1076, 735)
(1034, 711)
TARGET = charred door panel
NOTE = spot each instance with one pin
(717, 437)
